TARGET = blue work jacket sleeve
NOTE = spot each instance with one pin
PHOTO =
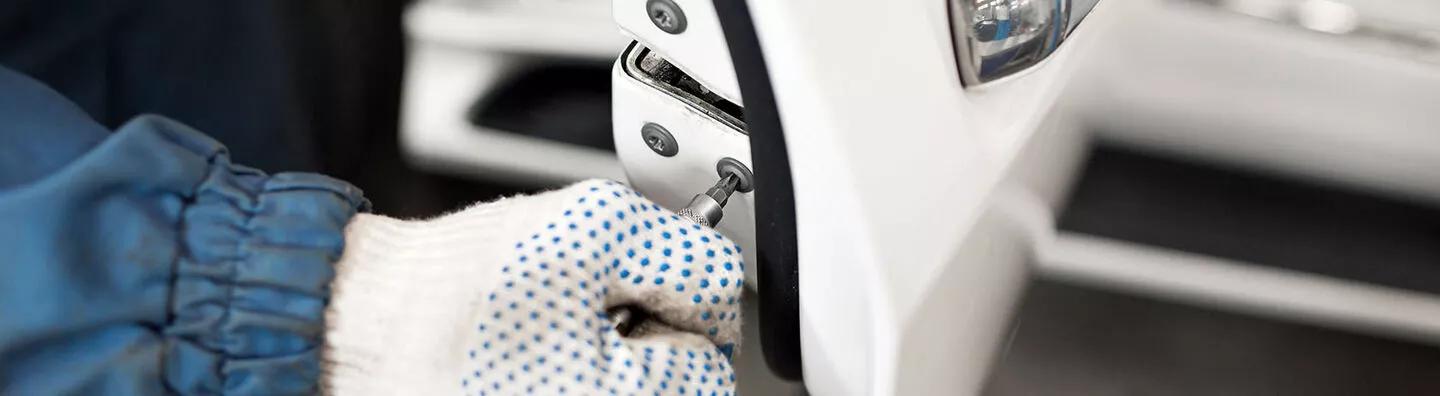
(144, 262)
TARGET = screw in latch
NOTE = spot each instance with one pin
(744, 180)
(707, 208)
(666, 15)
(659, 140)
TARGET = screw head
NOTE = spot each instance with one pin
(666, 15)
(659, 140)
(729, 166)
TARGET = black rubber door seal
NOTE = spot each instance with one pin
(779, 274)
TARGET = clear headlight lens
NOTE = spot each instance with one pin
(996, 38)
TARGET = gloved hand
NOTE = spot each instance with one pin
(510, 297)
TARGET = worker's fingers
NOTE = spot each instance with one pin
(610, 247)
(670, 362)
(685, 275)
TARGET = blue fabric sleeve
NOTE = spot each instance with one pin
(143, 262)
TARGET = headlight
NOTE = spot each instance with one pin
(996, 38)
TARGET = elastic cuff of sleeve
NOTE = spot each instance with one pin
(252, 281)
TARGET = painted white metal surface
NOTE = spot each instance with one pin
(895, 169)
(700, 51)
(672, 181)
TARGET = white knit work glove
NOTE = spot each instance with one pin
(510, 297)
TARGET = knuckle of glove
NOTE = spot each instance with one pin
(546, 329)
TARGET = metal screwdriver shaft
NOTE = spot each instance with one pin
(708, 208)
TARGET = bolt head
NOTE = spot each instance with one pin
(666, 15)
(659, 140)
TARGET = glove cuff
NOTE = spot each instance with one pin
(402, 299)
